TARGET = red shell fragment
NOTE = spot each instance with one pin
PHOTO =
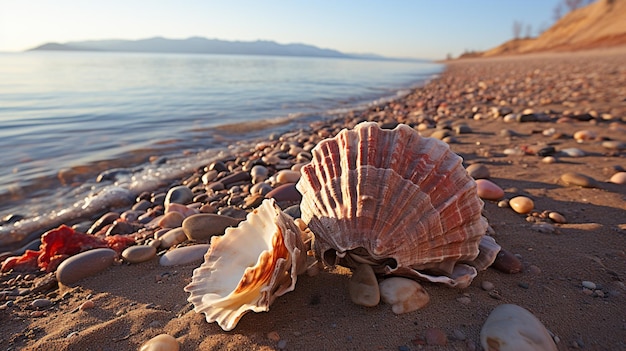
(59, 244)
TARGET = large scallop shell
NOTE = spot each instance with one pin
(396, 200)
(248, 267)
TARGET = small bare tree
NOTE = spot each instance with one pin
(572, 4)
(517, 29)
(544, 27)
(558, 12)
(529, 31)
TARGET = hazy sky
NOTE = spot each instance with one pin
(407, 28)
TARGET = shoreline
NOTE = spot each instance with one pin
(94, 129)
(81, 181)
(467, 105)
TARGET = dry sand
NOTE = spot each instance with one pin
(134, 303)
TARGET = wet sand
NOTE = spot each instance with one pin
(472, 100)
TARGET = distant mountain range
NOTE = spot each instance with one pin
(198, 45)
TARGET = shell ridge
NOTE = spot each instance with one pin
(350, 200)
(432, 170)
(399, 159)
(408, 203)
(379, 214)
(452, 185)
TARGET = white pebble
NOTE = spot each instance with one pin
(405, 295)
(618, 178)
(162, 342)
(363, 286)
(573, 152)
(172, 237)
(487, 285)
(184, 255)
(513, 328)
(589, 285)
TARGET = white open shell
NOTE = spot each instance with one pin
(396, 200)
(248, 267)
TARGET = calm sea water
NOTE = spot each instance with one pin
(67, 116)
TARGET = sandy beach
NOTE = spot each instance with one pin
(505, 113)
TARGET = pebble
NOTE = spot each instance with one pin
(549, 159)
(41, 303)
(522, 204)
(440, 134)
(435, 336)
(573, 152)
(589, 285)
(478, 171)
(179, 194)
(186, 211)
(463, 128)
(614, 145)
(510, 118)
(584, 135)
(184, 255)
(287, 176)
(139, 253)
(162, 342)
(103, 221)
(253, 201)
(618, 178)
(487, 190)
(512, 328)
(84, 264)
(260, 189)
(487, 285)
(549, 132)
(259, 174)
(236, 177)
(403, 294)
(527, 117)
(540, 150)
(172, 237)
(578, 179)
(557, 217)
(286, 193)
(507, 262)
(128, 216)
(294, 212)
(546, 228)
(363, 286)
(171, 220)
(87, 305)
(215, 186)
(209, 176)
(503, 203)
(203, 226)
(513, 152)
(449, 140)
(459, 334)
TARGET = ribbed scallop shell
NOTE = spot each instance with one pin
(394, 199)
(248, 267)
